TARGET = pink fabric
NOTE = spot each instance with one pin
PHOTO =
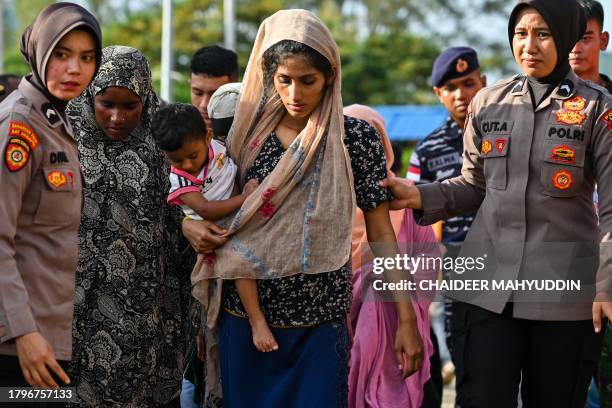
(174, 197)
(374, 378)
(188, 176)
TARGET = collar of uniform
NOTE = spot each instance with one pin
(567, 87)
(607, 82)
(521, 86)
(41, 104)
(452, 125)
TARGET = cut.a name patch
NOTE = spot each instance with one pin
(497, 127)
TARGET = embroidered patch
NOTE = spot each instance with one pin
(562, 180)
(571, 117)
(57, 178)
(486, 147)
(49, 112)
(500, 144)
(563, 154)
(25, 132)
(21, 142)
(576, 104)
(220, 160)
(16, 156)
(607, 118)
(462, 66)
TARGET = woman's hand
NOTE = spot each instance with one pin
(204, 236)
(408, 347)
(37, 361)
(405, 194)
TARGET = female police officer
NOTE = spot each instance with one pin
(40, 209)
(534, 146)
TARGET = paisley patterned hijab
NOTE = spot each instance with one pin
(132, 294)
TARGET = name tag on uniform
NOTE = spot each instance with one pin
(444, 160)
(497, 127)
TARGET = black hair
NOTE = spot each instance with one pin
(593, 10)
(276, 54)
(215, 61)
(176, 124)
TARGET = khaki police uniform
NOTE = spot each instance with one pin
(40, 212)
(534, 173)
(531, 174)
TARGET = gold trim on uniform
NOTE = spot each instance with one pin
(486, 147)
(57, 178)
(571, 117)
(576, 104)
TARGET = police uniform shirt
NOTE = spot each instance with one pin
(438, 157)
(607, 82)
(531, 172)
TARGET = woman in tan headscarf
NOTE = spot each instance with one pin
(293, 234)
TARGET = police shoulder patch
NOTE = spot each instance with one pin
(25, 132)
(16, 156)
(607, 119)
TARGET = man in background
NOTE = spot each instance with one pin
(211, 67)
(584, 58)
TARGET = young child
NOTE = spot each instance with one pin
(202, 183)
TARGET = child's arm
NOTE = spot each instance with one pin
(214, 210)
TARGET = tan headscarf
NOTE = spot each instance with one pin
(299, 219)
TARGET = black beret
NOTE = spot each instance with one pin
(453, 63)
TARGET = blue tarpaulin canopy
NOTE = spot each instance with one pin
(411, 122)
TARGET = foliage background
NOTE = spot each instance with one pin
(387, 46)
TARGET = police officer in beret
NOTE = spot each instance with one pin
(456, 79)
(534, 145)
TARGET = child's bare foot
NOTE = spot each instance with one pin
(262, 336)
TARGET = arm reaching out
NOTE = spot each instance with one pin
(214, 210)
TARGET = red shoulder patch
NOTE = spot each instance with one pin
(25, 132)
(607, 119)
(16, 156)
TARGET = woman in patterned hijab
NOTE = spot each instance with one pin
(131, 300)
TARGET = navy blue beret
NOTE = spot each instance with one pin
(453, 63)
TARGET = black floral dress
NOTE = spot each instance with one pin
(310, 299)
(133, 306)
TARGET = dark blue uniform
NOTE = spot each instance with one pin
(436, 158)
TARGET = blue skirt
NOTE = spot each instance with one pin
(310, 368)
